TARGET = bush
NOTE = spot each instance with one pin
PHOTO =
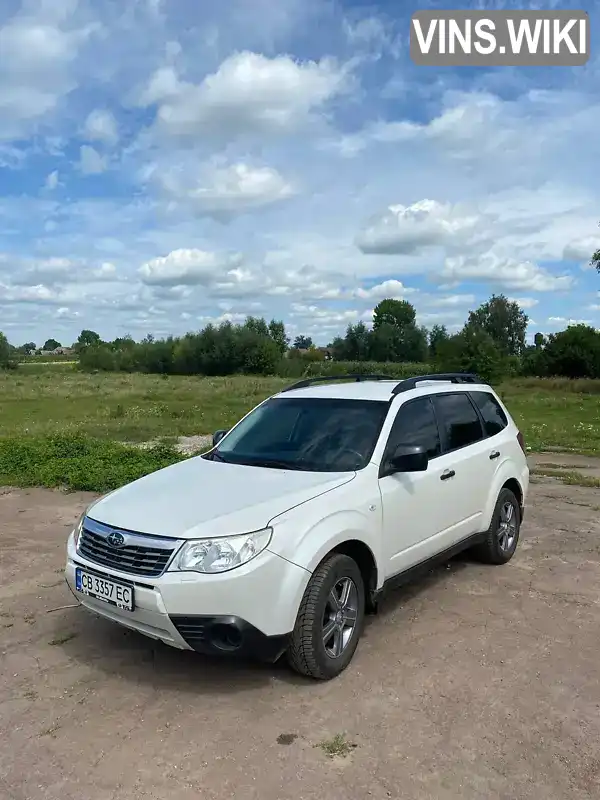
(292, 368)
(473, 350)
(573, 353)
(76, 462)
(6, 359)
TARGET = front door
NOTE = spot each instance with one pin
(412, 512)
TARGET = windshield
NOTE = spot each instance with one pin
(316, 434)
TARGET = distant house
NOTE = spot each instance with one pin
(305, 352)
(60, 351)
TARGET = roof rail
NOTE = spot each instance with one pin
(451, 377)
(326, 378)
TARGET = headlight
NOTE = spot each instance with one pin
(77, 529)
(223, 554)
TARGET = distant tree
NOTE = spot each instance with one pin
(28, 348)
(87, 338)
(338, 348)
(539, 340)
(415, 346)
(303, 343)
(504, 321)
(278, 335)
(257, 325)
(386, 343)
(595, 260)
(472, 350)
(4, 352)
(574, 352)
(357, 342)
(123, 343)
(437, 335)
(400, 313)
(51, 344)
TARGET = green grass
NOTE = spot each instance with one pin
(77, 462)
(124, 407)
(569, 477)
(556, 414)
(63, 428)
(133, 408)
(336, 747)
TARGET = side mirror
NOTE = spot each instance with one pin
(408, 458)
(217, 436)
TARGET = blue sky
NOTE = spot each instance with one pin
(166, 163)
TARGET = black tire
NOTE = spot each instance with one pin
(307, 652)
(491, 550)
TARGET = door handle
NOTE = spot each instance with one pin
(449, 473)
(494, 454)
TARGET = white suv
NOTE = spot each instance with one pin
(289, 530)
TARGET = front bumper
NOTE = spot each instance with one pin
(247, 612)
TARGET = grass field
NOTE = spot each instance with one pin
(133, 408)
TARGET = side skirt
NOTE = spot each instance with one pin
(422, 568)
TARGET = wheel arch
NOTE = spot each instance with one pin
(516, 488)
(362, 554)
(504, 480)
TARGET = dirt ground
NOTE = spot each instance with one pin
(476, 682)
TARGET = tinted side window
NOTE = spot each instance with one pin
(415, 424)
(457, 419)
(494, 418)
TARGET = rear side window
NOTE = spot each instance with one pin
(494, 418)
(415, 424)
(459, 422)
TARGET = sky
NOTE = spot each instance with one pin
(169, 163)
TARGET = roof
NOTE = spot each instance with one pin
(376, 390)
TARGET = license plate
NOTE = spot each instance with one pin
(117, 594)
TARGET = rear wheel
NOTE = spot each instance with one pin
(503, 534)
(330, 619)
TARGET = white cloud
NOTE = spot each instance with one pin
(101, 125)
(387, 289)
(90, 161)
(28, 294)
(45, 271)
(223, 191)
(37, 48)
(507, 272)
(565, 321)
(52, 180)
(582, 249)
(191, 267)
(407, 229)
(248, 93)
(451, 300)
(525, 302)
(105, 272)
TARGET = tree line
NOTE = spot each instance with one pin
(492, 343)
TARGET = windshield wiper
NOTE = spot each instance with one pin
(275, 464)
(216, 456)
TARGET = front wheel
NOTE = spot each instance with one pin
(503, 534)
(330, 619)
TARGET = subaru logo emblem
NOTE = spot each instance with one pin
(115, 539)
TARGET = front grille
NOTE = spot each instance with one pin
(191, 629)
(133, 559)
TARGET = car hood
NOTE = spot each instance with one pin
(196, 498)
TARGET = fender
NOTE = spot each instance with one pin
(305, 541)
(504, 472)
